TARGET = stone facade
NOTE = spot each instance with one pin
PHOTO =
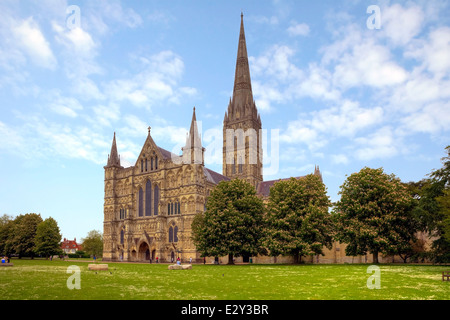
(149, 207)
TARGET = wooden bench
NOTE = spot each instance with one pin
(445, 274)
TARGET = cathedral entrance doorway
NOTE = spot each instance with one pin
(144, 252)
(153, 255)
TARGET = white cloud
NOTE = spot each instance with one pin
(40, 139)
(379, 145)
(272, 20)
(135, 127)
(433, 118)
(298, 29)
(113, 11)
(346, 120)
(318, 84)
(11, 140)
(369, 64)
(76, 40)
(275, 63)
(340, 158)
(80, 51)
(434, 52)
(400, 24)
(66, 107)
(30, 38)
(419, 90)
(157, 81)
(318, 128)
(105, 115)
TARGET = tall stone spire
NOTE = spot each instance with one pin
(193, 150)
(242, 154)
(242, 104)
(113, 158)
(242, 93)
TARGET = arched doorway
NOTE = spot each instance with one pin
(144, 252)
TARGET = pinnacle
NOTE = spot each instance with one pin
(114, 159)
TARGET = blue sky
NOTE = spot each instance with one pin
(341, 95)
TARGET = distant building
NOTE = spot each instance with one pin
(70, 246)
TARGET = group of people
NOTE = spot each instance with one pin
(5, 259)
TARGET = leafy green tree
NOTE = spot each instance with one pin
(374, 214)
(48, 238)
(23, 234)
(444, 202)
(93, 243)
(6, 232)
(298, 221)
(434, 206)
(232, 223)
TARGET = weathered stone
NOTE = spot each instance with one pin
(6, 264)
(98, 267)
(180, 267)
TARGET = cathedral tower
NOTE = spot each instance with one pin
(242, 146)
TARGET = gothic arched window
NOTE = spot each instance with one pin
(175, 234)
(148, 199)
(156, 201)
(170, 234)
(122, 233)
(141, 202)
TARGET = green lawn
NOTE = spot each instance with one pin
(47, 280)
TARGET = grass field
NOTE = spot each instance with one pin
(47, 280)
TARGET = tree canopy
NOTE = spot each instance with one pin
(374, 214)
(298, 222)
(23, 233)
(48, 238)
(232, 223)
(93, 243)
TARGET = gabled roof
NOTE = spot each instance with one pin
(213, 176)
(264, 186)
(70, 244)
(167, 154)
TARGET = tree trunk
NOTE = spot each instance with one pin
(297, 258)
(375, 257)
(230, 258)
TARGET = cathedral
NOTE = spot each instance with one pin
(149, 207)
